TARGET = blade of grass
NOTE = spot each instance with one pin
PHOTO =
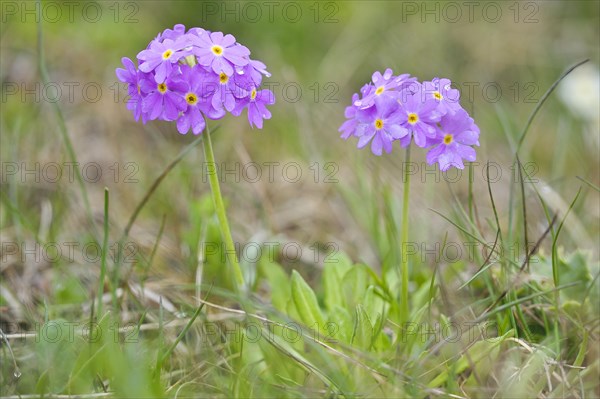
(470, 199)
(306, 333)
(555, 274)
(582, 350)
(287, 350)
(161, 338)
(524, 206)
(145, 199)
(551, 220)
(103, 259)
(154, 250)
(182, 334)
(475, 228)
(484, 266)
(520, 317)
(157, 182)
(533, 251)
(432, 290)
(508, 305)
(479, 240)
(591, 285)
(589, 183)
(506, 124)
(543, 100)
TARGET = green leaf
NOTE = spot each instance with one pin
(374, 304)
(278, 281)
(381, 342)
(287, 349)
(575, 267)
(481, 351)
(291, 311)
(332, 287)
(339, 262)
(355, 285)
(305, 301)
(362, 336)
(342, 320)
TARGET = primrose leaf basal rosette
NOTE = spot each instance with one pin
(400, 108)
(186, 76)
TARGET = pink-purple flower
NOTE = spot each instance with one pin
(419, 116)
(443, 93)
(132, 77)
(380, 126)
(197, 101)
(219, 52)
(455, 136)
(161, 56)
(256, 101)
(223, 96)
(349, 126)
(383, 88)
(163, 100)
(189, 76)
(399, 108)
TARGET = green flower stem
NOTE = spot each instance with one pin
(220, 209)
(403, 257)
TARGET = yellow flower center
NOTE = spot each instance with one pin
(217, 50)
(448, 139)
(413, 118)
(380, 90)
(162, 87)
(138, 89)
(223, 78)
(253, 94)
(378, 124)
(191, 98)
(167, 54)
(437, 95)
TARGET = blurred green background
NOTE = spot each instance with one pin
(502, 55)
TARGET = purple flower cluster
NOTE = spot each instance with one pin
(186, 76)
(401, 108)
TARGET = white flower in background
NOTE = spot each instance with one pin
(580, 92)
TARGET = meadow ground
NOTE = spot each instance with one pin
(107, 291)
